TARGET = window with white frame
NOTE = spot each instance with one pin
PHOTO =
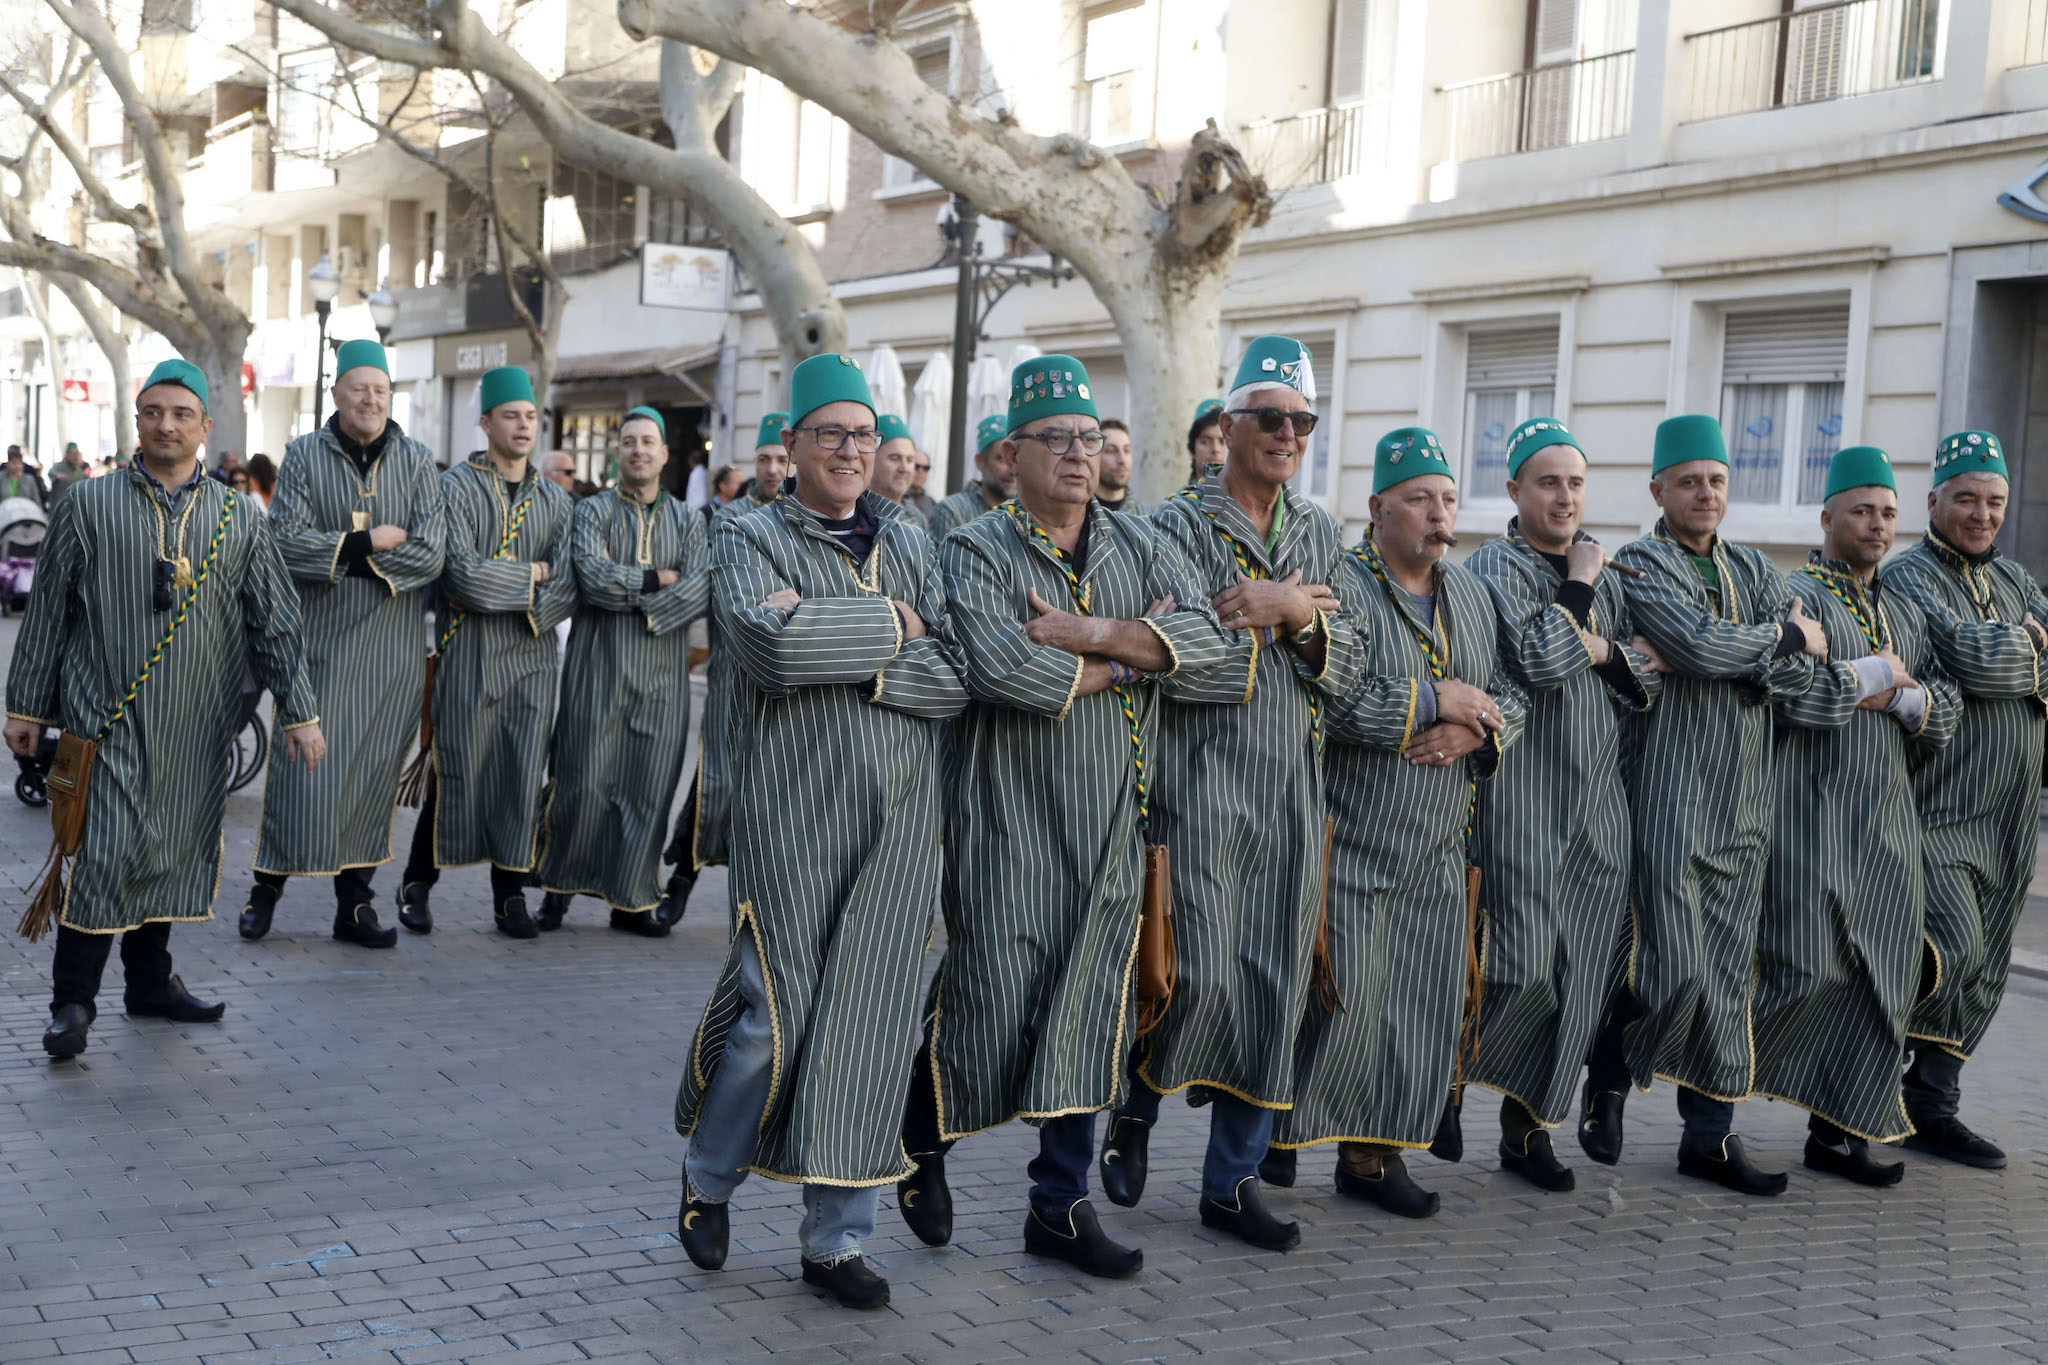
(1116, 73)
(1781, 401)
(794, 143)
(1510, 377)
(1317, 477)
(935, 68)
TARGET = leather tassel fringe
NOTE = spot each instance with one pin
(49, 898)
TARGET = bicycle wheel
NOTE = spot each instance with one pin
(252, 751)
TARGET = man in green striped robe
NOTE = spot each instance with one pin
(1063, 618)
(1978, 797)
(896, 468)
(1239, 802)
(699, 840)
(1553, 825)
(1428, 721)
(835, 616)
(639, 559)
(1698, 771)
(155, 588)
(998, 482)
(358, 519)
(1839, 945)
(506, 583)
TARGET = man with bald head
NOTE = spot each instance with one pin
(1977, 797)
(558, 467)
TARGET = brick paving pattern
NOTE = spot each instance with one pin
(460, 1150)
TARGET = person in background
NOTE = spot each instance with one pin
(70, 470)
(997, 483)
(725, 487)
(262, 478)
(229, 463)
(558, 467)
(697, 487)
(918, 498)
(239, 481)
(17, 480)
(1114, 490)
(1206, 445)
(895, 467)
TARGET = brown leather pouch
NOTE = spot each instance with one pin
(69, 780)
(412, 783)
(1158, 963)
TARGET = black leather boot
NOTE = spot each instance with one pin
(1125, 1159)
(175, 1003)
(553, 906)
(1600, 1123)
(1246, 1219)
(850, 1280)
(704, 1230)
(1277, 1168)
(1449, 1142)
(1727, 1164)
(641, 922)
(514, 919)
(1951, 1139)
(1387, 1183)
(413, 911)
(1531, 1156)
(925, 1200)
(1078, 1239)
(255, 921)
(1854, 1164)
(358, 924)
(66, 1035)
(675, 896)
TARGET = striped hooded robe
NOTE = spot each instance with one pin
(365, 646)
(624, 720)
(1031, 1010)
(957, 510)
(1239, 802)
(1839, 945)
(1698, 770)
(159, 785)
(835, 814)
(1979, 796)
(1379, 1068)
(494, 687)
(1553, 832)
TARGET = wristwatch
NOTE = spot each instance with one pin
(1307, 632)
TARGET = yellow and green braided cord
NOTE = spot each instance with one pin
(205, 567)
(456, 618)
(1827, 580)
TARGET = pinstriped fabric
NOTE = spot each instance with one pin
(494, 688)
(957, 510)
(705, 844)
(1553, 833)
(624, 718)
(1239, 801)
(1379, 1068)
(1839, 945)
(1131, 507)
(907, 512)
(364, 644)
(835, 812)
(152, 828)
(1977, 796)
(1046, 856)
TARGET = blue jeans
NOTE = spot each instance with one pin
(1239, 1133)
(836, 1217)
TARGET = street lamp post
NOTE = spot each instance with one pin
(383, 312)
(323, 283)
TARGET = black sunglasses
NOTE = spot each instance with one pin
(163, 594)
(1271, 418)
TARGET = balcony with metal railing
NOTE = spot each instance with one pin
(1824, 52)
(1560, 105)
(1318, 146)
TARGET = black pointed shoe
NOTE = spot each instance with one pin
(641, 922)
(1537, 1161)
(1854, 1164)
(1391, 1187)
(66, 1035)
(1449, 1142)
(1600, 1124)
(255, 921)
(1727, 1164)
(1246, 1219)
(413, 911)
(1080, 1243)
(514, 919)
(358, 924)
(925, 1200)
(1125, 1159)
(851, 1280)
(175, 1003)
(704, 1230)
(675, 897)
(1277, 1169)
(553, 906)
(1952, 1139)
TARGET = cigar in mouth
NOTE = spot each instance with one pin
(1444, 538)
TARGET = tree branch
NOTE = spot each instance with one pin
(127, 291)
(136, 219)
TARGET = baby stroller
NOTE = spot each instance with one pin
(28, 783)
(22, 524)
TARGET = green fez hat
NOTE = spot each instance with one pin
(353, 355)
(1966, 452)
(1538, 433)
(1407, 453)
(1206, 408)
(1048, 386)
(506, 384)
(1695, 436)
(183, 373)
(770, 433)
(826, 379)
(1859, 467)
(1279, 361)
(894, 428)
(651, 415)
(988, 432)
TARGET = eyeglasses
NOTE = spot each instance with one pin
(163, 594)
(866, 440)
(1058, 440)
(1271, 418)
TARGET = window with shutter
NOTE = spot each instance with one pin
(1348, 23)
(1510, 377)
(935, 68)
(1317, 477)
(1782, 373)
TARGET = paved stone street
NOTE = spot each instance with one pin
(460, 1150)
